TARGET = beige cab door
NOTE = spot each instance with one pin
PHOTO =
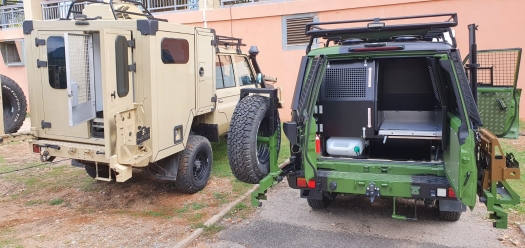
(227, 90)
(205, 71)
(117, 78)
(55, 96)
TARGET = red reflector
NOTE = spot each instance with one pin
(36, 149)
(317, 144)
(372, 49)
(301, 182)
(311, 184)
(451, 193)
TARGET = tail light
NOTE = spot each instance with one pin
(451, 193)
(302, 183)
(317, 144)
(36, 149)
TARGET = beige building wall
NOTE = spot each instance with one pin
(261, 24)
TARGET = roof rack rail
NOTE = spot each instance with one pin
(145, 13)
(377, 31)
(229, 41)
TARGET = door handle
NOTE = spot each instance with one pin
(113, 94)
(220, 100)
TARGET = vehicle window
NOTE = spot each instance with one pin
(56, 62)
(225, 77)
(121, 57)
(244, 71)
(175, 51)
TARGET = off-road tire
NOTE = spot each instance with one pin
(194, 165)
(243, 150)
(449, 215)
(319, 204)
(14, 103)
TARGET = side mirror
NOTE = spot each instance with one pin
(259, 79)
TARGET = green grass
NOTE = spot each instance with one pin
(56, 202)
(154, 214)
(241, 206)
(182, 210)
(33, 202)
(197, 206)
(196, 217)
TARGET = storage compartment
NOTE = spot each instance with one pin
(381, 109)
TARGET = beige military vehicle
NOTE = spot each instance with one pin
(115, 89)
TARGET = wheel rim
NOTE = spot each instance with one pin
(263, 149)
(200, 166)
(7, 107)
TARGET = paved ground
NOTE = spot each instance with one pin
(285, 220)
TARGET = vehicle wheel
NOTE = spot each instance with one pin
(319, 204)
(14, 105)
(249, 159)
(195, 165)
(449, 215)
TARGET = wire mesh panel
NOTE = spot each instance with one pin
(80, 78)
(498, 67)
(345, 82)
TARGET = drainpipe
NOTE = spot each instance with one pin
(204, 13)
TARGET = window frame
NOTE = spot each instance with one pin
(235, 84)
(187, 55)
(21, 52)
(250, 68)
(49, 66)
(284, 28)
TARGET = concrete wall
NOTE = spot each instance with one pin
(261, 25)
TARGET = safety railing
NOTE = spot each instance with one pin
(11, 16)
(58, 9)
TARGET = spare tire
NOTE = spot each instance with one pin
(249, 159)
(14, 105)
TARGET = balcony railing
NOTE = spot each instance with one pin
(11, 16)
(58, 9)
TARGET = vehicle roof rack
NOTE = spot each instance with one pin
(377, 31)
(229, 41)
(145, 10)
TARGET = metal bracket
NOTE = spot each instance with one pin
(372, 191)
(40, 42)
(131, 43)
(40, 63)
(132, 67)
(45, 124)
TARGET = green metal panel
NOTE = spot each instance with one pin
(499, 111)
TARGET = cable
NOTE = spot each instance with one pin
(29, 167)
(231, 21)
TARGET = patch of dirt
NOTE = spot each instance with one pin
(72, 209)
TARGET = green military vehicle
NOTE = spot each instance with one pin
(387, 110)
(114, 88)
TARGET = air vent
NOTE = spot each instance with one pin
(345, 82)
(295, 28)
(352, 41)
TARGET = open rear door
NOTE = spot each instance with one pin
(498, 95)
(80, 78)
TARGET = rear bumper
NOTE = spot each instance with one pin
(407, 186)
(62, 149)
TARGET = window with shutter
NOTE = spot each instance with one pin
(10, 53)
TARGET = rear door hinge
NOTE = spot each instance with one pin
(40, 42)
(214, 98)
(132, 67)
(45, 124)
(40, 63)
(131, 43)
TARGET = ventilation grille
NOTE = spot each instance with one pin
(295, 28)
(345, 82)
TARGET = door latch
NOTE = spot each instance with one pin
(113, 94)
